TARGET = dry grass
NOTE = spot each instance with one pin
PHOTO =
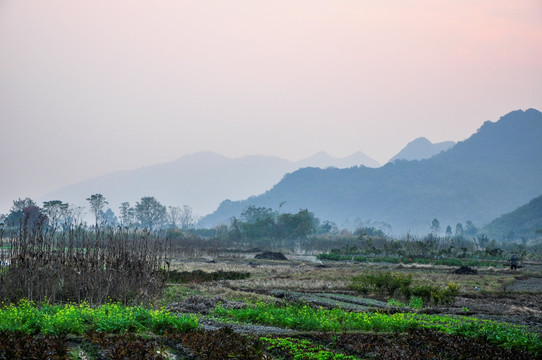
(300, 275)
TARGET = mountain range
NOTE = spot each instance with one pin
(496, 170)
(201, 180)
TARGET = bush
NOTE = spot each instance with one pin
(415, 302)
(436, 295)
(383, 283)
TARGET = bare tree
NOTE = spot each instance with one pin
(174, 215)
(188, 219)
(76, 214)
(97, 202)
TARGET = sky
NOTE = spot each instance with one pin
(92, 87)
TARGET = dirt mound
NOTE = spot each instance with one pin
(465, 270)
(201, 305)
(269, 255)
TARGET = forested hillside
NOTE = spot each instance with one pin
(524, 222)
(493, 172)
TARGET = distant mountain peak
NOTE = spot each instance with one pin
(421, 140)
(421, 148)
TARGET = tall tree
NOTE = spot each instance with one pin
(16, 213)
(97, 203)
(127, 214)
(174, 215)
(258, 222)
(297, 226)
(57, 212)
(150, 212)
(435, 226)
(76, 215)
(470, 228)
(108, 217)
(459, 230)
(20, 204)
(188, 219)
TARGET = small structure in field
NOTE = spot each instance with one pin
(269, 255)
(465, 270)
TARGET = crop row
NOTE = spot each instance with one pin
(27, 317)
(304, 317)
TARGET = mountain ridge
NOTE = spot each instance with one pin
(523, 222)
(201, 180)
(495, 170)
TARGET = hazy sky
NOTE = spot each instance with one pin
(91, 87)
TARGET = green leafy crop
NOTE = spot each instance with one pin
(30, 318)
(302, 349)
(307, 318)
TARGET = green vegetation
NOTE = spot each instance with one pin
(435, 294)
(399, 284)
(415, 302)
(383, 283)
(337, 320)
(67, 291)
(261, 222)
(302, 349)
(29, 318)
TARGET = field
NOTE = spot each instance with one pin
(122, 294)
(235, 306)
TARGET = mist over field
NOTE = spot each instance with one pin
(270, 180)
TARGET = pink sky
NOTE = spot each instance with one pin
(90, 87)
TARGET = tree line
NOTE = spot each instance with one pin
(147, 213)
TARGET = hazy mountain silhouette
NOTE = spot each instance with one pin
(520, 223)
(201, 180)
(493, 172)
(324, 160)
(421, 148)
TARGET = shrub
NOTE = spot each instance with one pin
(415, 302)
(384, 283)
(436, 295)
